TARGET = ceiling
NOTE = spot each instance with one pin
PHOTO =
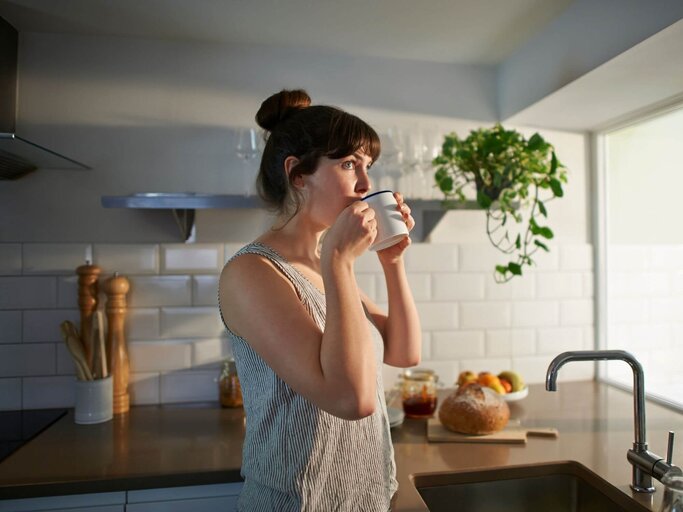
(448, 31)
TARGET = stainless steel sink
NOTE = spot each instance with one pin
(553, 487)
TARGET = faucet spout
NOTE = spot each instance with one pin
(645, 463)
(608, 355)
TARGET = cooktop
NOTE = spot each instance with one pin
(19, 427)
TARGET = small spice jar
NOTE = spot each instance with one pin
(418, 392)
(229, 387)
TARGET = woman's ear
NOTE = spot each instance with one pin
(290, 163)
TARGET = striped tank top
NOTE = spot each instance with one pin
(297, 457)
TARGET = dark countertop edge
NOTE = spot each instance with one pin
(119, 484)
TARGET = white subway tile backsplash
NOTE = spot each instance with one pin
(480, 258)
(431, 258)
(28, 292)
(42, 325)
(666, 257)
(10, 326)
(190, 259)
(152, 291)
(127, 259)
(510, 342)
(486, 364)
(447, 371)
(576, 257)
(539, 313)
(27, 359)
(438, 315)
(532, 368)
(628, 311)
(426, 346)
(367, 262)
(447, 286)
(457, 344)
(515, 289)
(205, 290)
(420, 285)
(153, 356)
(143, 324)
(67, 291)
(560, 339)
(10, 259)
(54, 259)
(144, 388)
(668, 309)
(628, 258)
(588, 284)
(10, 394)
(65, 362)
(49, 392)
(485, 315)
(194, 386)
(576, 312)
(547, 261)
(553, 285)
(229, 250)
(366, 282)
(200, 322)
(209, 353)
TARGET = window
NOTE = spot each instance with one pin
(640, 247)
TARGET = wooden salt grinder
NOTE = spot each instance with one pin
(116, 288)
(87, 302)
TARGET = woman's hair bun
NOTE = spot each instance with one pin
(279, 106)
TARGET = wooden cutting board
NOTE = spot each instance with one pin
(437, 433)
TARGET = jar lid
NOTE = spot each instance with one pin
(421, 374)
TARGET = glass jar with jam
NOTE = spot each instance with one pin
(229, 388)
(418, 392)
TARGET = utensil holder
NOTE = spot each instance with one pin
(94, 401)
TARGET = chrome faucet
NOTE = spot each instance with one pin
(645, 463)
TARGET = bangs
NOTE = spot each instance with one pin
(349, 134)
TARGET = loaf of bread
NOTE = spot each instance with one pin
(473, 409)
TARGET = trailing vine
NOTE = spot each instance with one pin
(509, 174)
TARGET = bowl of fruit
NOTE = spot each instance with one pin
(508, 384)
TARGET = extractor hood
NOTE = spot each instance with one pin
(19, 155)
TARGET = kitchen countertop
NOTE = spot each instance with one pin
(164, 446)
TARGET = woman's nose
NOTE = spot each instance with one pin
(363, 185)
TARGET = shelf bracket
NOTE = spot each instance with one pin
(184, 218)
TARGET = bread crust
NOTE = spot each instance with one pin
(473, 409)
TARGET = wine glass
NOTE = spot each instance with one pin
(248, 144)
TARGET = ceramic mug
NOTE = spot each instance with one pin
(391, 228)
(94, 401)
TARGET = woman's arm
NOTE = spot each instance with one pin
(334, 369)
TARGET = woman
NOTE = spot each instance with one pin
(301, 329)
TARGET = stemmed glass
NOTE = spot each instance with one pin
(248, 147)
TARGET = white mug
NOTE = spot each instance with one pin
(391, 228)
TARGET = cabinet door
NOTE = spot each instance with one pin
(97, 502)
(196, 498)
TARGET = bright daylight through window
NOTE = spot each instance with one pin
(643, 245)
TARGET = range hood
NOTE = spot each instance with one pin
(18, 155)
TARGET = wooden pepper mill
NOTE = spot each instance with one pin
(88, 291)
(116, 288)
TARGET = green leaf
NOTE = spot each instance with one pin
(541, 245)
(556, 187)
(446, 185)
(515, 268)
(553, 165)
(518, 242)
(535, 142)
(541, 208)
(501, 269)
(483, 200)
(546, 232)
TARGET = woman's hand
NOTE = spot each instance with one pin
(395, 252)
(352, 233)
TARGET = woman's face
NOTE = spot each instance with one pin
(336, 184)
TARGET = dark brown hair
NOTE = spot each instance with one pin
(294, 128)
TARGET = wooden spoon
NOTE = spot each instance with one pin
(70, 334)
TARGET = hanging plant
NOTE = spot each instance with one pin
(513, 178)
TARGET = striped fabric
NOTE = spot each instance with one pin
(295, 455)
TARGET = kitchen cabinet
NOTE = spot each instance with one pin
(95, 502)
(195, 498)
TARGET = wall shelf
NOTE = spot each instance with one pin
(427, 212)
